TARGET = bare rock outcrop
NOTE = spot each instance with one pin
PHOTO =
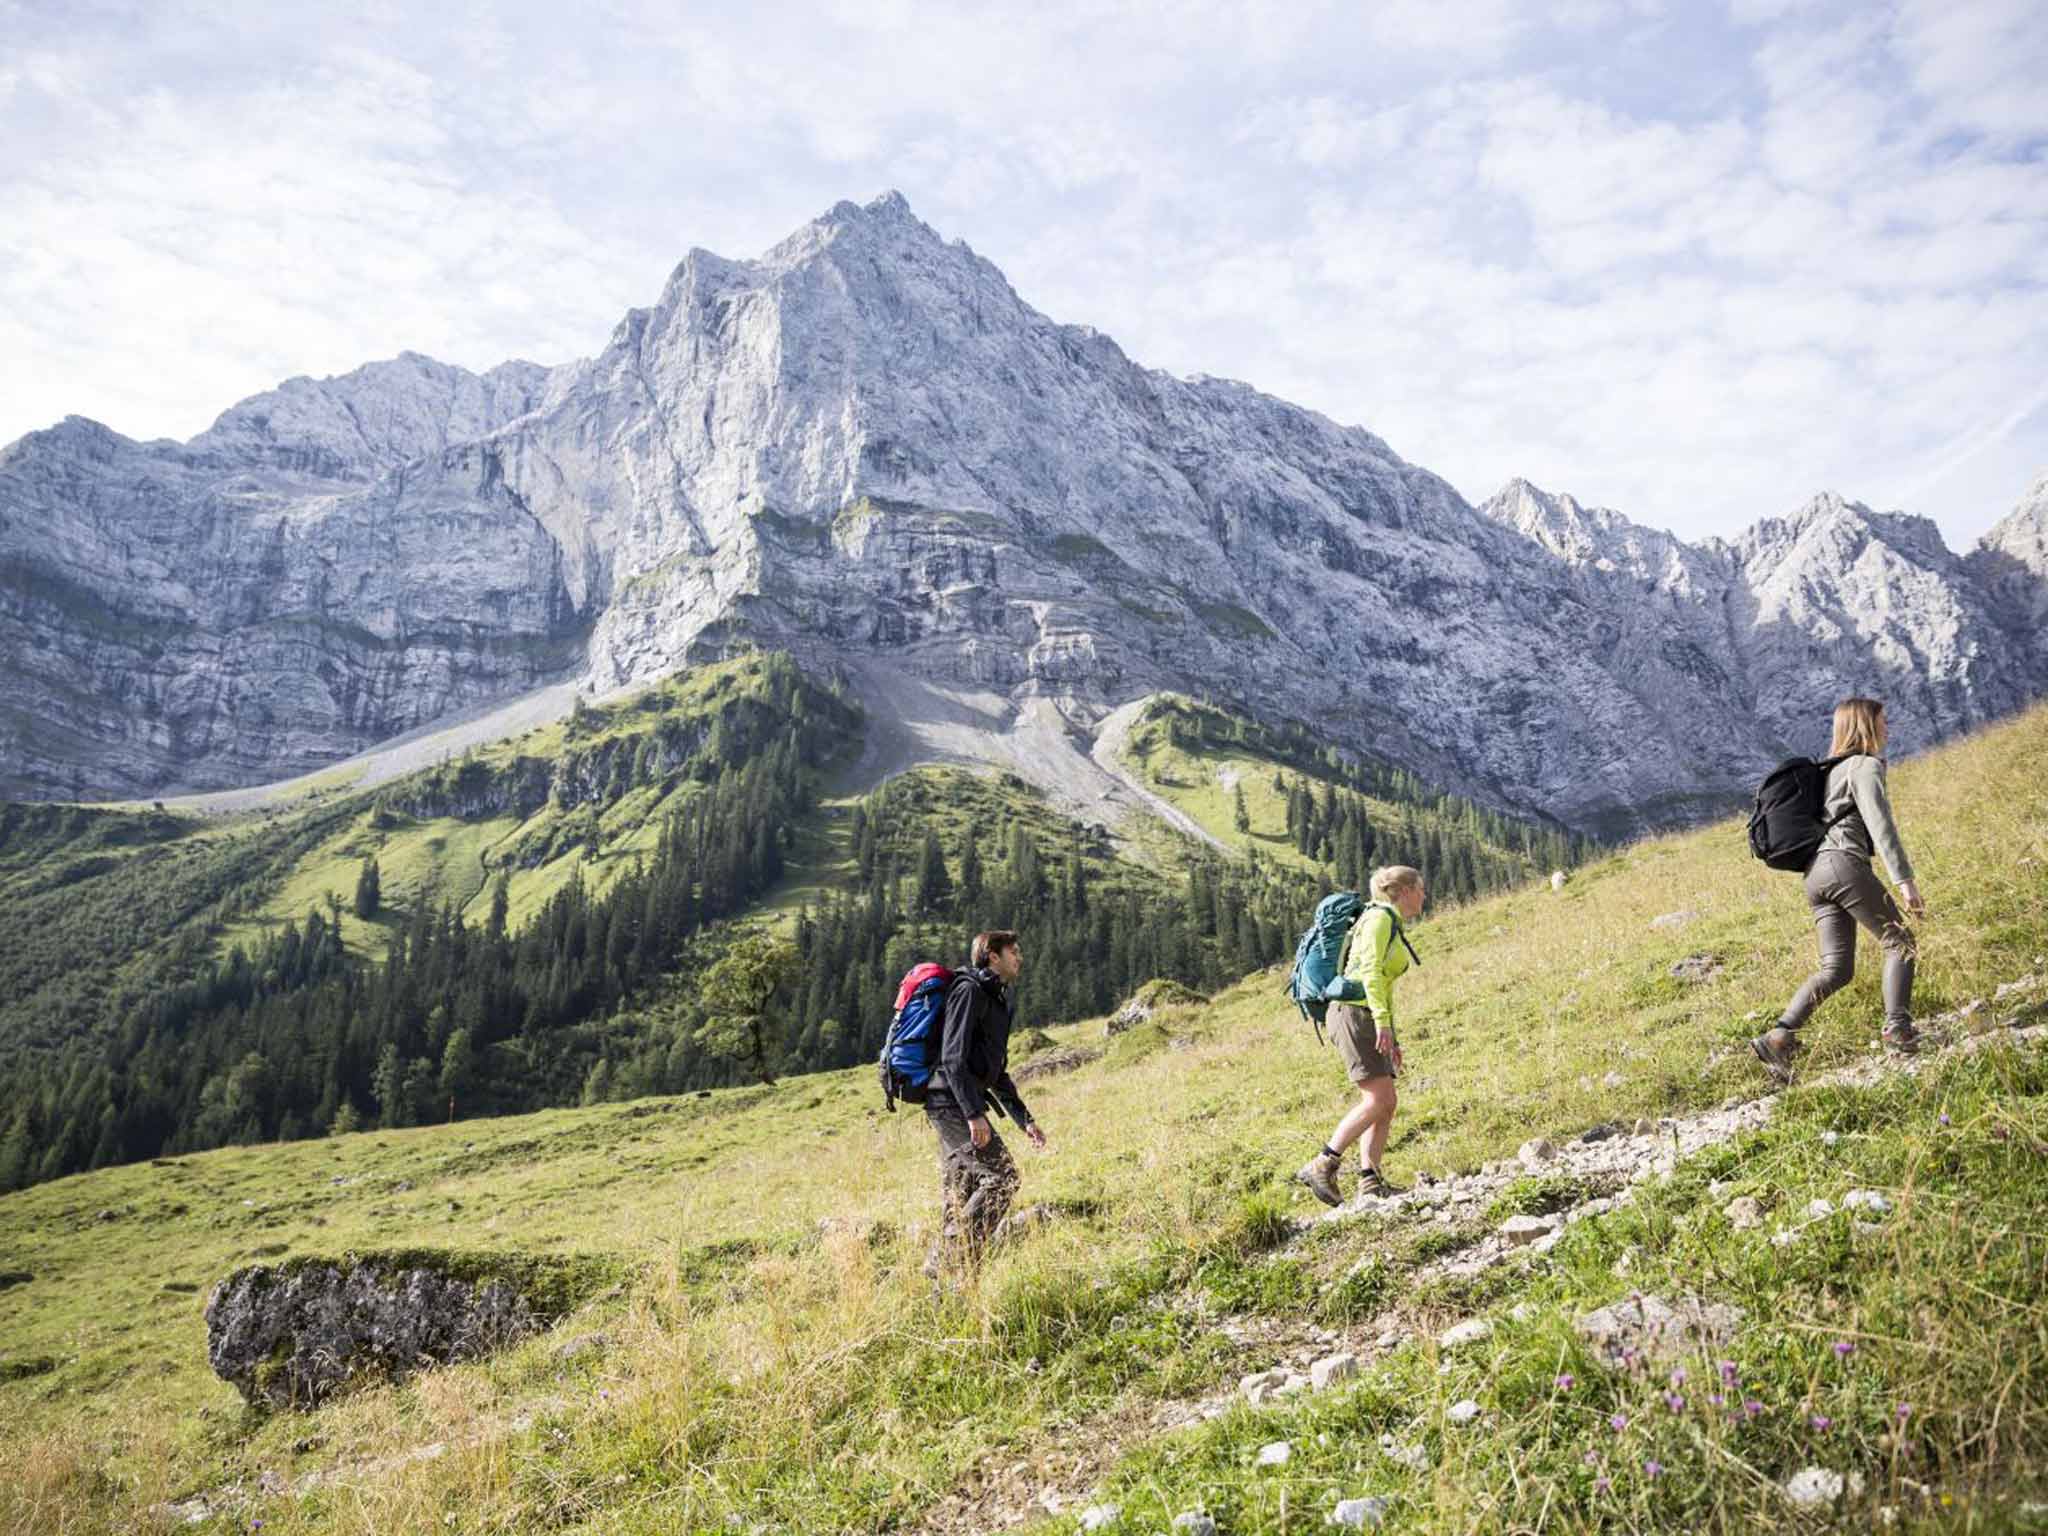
(292, 1335)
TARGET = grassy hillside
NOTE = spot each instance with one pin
(782, 1365)
(1284, 795)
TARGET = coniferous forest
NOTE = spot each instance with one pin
(668, 979)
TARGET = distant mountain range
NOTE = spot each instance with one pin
(866, 449)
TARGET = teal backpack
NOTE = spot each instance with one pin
(1318, 978)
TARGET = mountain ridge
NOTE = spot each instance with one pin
(865, 447)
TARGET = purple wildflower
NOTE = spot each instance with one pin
(1822, 1422)
(1944, 1117)
(1602, 1484)
(1753, 1408)
(1674, 1402)
(1728, 1372)
(1678, 1376)
(1653, 1468)
(1565, 1382)
(1844, 1348)
(1618, 1423)
(1718, 1400)
(1592, 1458)
(1904, 1411)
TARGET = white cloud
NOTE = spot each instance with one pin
(1693, 266)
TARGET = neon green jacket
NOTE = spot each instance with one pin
(1375, 958)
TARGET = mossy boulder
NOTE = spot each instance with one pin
(292, 1335)
(1150, 1000)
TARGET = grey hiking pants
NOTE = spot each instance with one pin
(976, 1184)
(1844, 891)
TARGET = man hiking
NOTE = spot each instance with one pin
(976, 1175)
(1378, 954)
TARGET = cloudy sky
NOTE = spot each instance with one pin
(1689, 260)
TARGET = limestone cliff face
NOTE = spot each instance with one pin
(865, 447)
(274, 594)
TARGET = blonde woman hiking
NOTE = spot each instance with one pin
(1364, 1037)
(1844, 891)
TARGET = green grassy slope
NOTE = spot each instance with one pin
(782, 1361)
(1205, 763)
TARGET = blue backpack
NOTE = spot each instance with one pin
(910, 1052)
(1317, 979)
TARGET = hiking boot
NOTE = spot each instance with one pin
(1319, 1173)
(1376, 1184)
(1901, 1039)
(1775, 1049)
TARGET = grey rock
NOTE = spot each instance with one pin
(1275, 1454)
(1472, 1331)
(1096, 1516)
(1816, 1487)
(1644, 1125)
(1743, 1213)
(1260, 1385)
(1672, 920)
(1359, 1514)
(1653, 1330)
(1152, 998)
(1462, 1412)
(293, 1335)
(1867, 1200)
(1535, 1152)
(1327, 1372)
(1195, 1523)
(1520, 1231)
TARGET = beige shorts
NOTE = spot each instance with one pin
(1357, 1041)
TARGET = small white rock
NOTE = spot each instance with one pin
(1359, 1514)
(1276, 1454)
(1389, 1339)
(1819, 1210)
(1743, 1213)
(1195, 1523)
(1535, 1153)
(1096, 1516)
(1327, 1372)
(1812, 1487)
(1520, 1231)
(1469, 1332)
(1830, 1139)
(1866, 1200)
(1462, 1412)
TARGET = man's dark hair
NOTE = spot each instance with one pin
(988, 945)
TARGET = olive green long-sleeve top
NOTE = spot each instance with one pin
(1376, 957)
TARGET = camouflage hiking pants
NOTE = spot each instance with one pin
(976, 1185)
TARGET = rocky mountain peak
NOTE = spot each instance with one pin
(354, 426)
(2012, 560)
(865, 448)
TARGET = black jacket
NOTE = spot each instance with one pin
(974, 1050)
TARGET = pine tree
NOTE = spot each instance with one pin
(970, 874)
(1240, 816)
(369, 890)
(934, 885)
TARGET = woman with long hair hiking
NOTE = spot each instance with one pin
(1364, 1037)
(1844, 891)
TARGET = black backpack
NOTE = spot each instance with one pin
(1790, 818)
